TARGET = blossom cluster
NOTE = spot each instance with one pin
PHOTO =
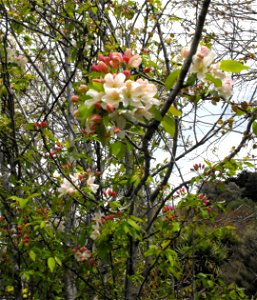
(115, 60)
(197, 167)
(81, 253)
(40, 124)
(116, 96)
(68, 186)
(169, 212)
(129, 99)
(203, 63)
(204, 199)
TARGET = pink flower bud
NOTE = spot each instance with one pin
(103, 68)
(117, 130)
(110, 108)
(83, 88)
(115, 59)
(116, 56)
(75, 99)
(127, 53)
(101, 57)
(95, 68)
(98, 80)
(203, 51)
(185, 52)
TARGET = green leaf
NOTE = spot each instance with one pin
(22, 202)
(117, 148)
(232, 66)
(191, 80)
(248, 164)
(84, 112)
(136, 219)
(51, 263)
(57, 259)
(254, 127)
(171, 79)
(42, 224)
(133, 224)
(216, 81)
(168, 124)
(32, 255)
(152, 250)
(156, 113)
(175, 227)
(175, 112)
(165, 244)
(171, 255)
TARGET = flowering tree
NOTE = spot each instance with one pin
(99, 118)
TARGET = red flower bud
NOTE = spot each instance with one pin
(126, 73)
(167, 208)
(98, 106)
(75, 99)
(81, 177)
(147, 70)
(96, 118)
(117, 130)
(44, 124)
(98, 173)
(110, 108)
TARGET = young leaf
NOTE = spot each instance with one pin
(175, 112)
(84, 112)
(171, 79)
(152, 250)
(57, 259)
(22, 202)
(32, 255)
(51, 263)
(133, 224)
(116, 148)
(168, 124)
(232, 66)
(254, 127)
(216, 81)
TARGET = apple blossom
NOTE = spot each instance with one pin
(90, 182)
(202, 51)
(226, 89)
(113, 81)
(97, 218)
(96, 232)
(216, 72)
(202, 60)
(66, 188)
(112, 98)
(81, 253)
(135, 61)
(95, 97)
